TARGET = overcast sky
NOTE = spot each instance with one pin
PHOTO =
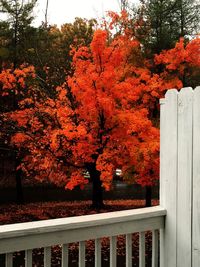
(61, 11)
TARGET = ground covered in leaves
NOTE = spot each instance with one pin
(13, 213)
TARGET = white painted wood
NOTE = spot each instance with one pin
(28, 258)
(142, 249)
(129, 250)
(155, 242)
(98, 252)
(168, 176)
(9, 260)
(82, 254)
(59, 231)
(196, 180)
(184, 193)
(176, 177)
(113, 251)
(47, 257)
(46, 226)
(65, 255)
(162, 247)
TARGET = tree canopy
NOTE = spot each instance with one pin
(99, 110)
(100, 118)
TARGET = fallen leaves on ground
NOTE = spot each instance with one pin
(13, 213)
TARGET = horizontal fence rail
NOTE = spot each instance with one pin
(48, 233)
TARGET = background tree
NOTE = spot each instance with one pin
(50, 50)
(5, 37)
(19, 16)
(160, 23)
(163, 23)
(16, 38)
(46, 47)
(12, 81)
(182, 62)
(159, 26)
(187, 17)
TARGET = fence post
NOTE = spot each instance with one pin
(168, 176)
(176, 175)
(185, 165)
(196, 180)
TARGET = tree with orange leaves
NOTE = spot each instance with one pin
(181, 62)
(13, 86)
(101, 118)
(97, 122)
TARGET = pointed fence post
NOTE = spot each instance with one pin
(176, 177)
(196, 180)
(184, 188)
(168, 176)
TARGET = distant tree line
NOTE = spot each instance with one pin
(158, 25)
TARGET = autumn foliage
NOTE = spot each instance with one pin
(13, 81)
(102, 117)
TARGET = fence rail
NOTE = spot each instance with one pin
(31, 235)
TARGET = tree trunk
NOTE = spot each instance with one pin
(18, 179)
(46, 14)
(97, 190)
(148, 196)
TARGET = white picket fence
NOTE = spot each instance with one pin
(176, 221)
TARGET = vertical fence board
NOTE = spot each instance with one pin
(98, 252)
(168, 176)
(129, 250)
(82, 254)
(47, 257)
(196, 180)
(28, 258)
(155, 248)
(142, 249)
(113, 251)
(9, 260)
(65, 255)
(184, 193)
